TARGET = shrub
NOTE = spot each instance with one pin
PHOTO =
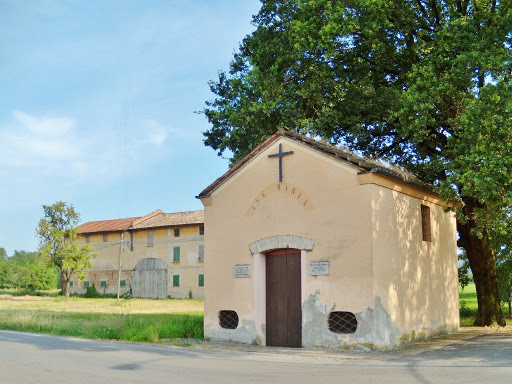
(91, 292)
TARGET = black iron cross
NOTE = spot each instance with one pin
(280, 154)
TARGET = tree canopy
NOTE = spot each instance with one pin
(57, 234)
(25, 270)
(424, 84)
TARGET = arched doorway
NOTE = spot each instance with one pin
(283, 298)
(149, 279)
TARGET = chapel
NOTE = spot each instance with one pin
(309, 245)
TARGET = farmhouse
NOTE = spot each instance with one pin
(154, 256)
(309, 245)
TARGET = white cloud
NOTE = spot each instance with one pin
(156, 133)
(50, 126)
(44, 155)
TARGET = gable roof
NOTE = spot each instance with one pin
(341, 154)
(152, 220)
(172, 219)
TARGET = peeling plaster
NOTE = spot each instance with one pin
(245, 333)
(315, 331)
(374, 327)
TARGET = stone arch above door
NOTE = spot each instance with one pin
(281, 241)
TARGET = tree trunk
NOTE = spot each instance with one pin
(64, 284)
(482, 261)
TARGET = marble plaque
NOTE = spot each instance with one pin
(319, 268)
(243, 270)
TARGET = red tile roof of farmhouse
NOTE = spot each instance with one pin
(365, 165)
(106, 225)
(152, 220)
(172, 219)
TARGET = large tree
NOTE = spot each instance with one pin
(424, 84)
(58, 246)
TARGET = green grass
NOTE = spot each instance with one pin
(22, 292)
(468, 305)
(130, 320)
(151, 328)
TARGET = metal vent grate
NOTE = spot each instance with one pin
(228, 319)
(342, 322)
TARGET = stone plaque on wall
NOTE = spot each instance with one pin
(319, 268)
(243, 270)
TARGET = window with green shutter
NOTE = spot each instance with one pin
(201, 280)
(176, 255)
(123, 283)
(176, 280)
(71, 283)
(103, 283)
(86, 283)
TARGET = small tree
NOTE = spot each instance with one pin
(57, 234)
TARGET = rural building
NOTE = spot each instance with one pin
(309, 245)
(159, 255)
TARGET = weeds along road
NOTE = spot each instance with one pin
(33, 358)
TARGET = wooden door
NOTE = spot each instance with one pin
(149, 279)
(283, 298)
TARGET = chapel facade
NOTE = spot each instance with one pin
(309, 245)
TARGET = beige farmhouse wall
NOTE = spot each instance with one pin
(106, 264)
(379, 267)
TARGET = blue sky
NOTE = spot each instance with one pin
(97, 102)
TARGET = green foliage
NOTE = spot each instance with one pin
(57, 235)
(425, 85)
(465, 277)
(465, 311)
(25, 270)
(91, 292)
(3, 254)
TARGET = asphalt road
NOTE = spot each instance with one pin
(32, 358)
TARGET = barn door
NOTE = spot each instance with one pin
(283, 298)
(149, 279)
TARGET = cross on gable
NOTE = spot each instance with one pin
(280, 155)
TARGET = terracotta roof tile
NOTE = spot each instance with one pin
(172, 219)
(153, 220)
(106, 225)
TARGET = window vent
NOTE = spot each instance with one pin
(342, 322)
(200, 252)
(425, 223)
(150, 239)
(228, 319)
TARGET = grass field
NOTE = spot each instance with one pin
(131, 320)
(469, 306)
